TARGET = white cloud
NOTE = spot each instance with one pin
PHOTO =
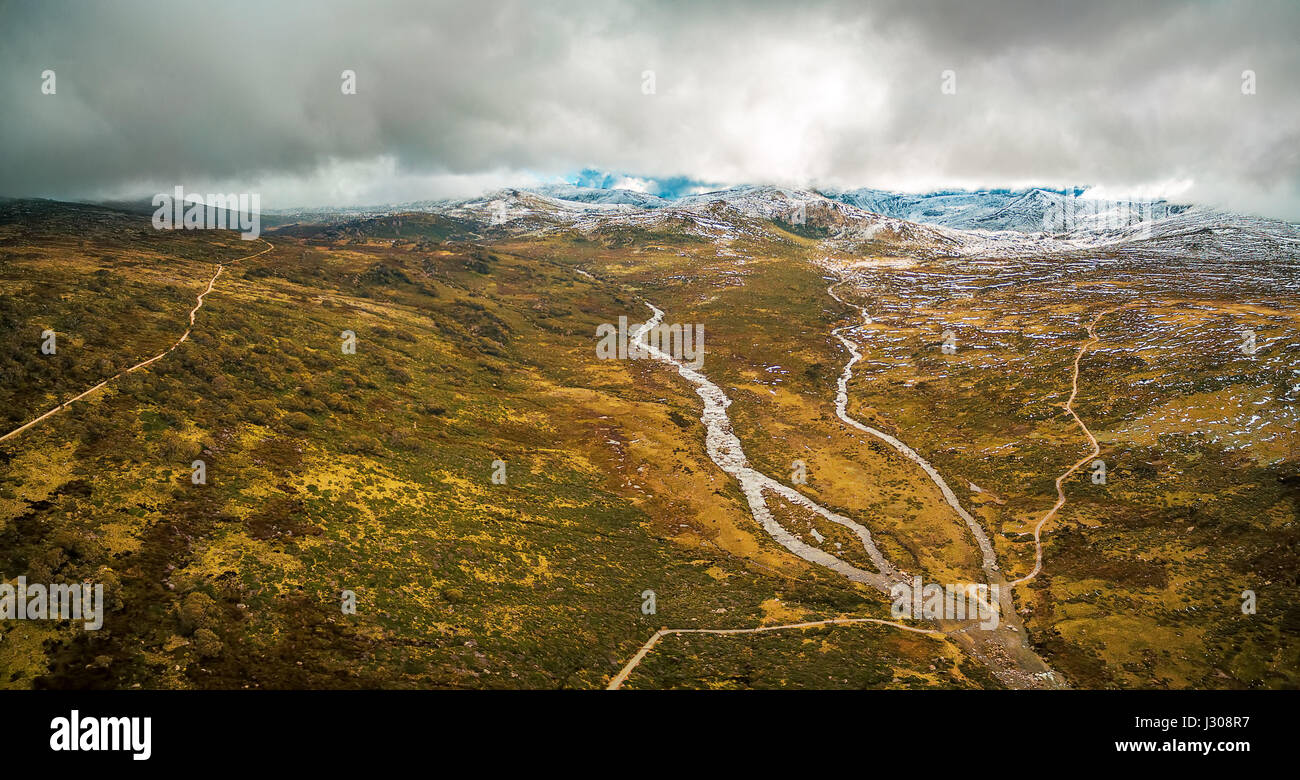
(633, 183)
(453, 96)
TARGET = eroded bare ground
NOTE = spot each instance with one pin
(372, 472)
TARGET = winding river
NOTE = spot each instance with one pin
(724, 449)
(1004, 650)
(990, 562)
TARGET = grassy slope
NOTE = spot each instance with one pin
(369, 472)
(1143, 575)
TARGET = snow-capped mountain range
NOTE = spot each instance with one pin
(1028, 211)
(959, 223)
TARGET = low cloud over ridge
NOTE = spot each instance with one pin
(455, 98)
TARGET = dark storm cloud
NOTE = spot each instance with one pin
(460, 96)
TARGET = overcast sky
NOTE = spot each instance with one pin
(453, 99)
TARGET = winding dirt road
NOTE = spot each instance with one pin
(1008, 654)
(621, 677)
(198, 304)
(1096, 450)
(1004, 651)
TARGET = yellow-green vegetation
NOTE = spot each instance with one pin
(368, 472)
(1143, 573)
(372, 472)
(829, 657)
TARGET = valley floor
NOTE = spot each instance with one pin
(505, 510)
